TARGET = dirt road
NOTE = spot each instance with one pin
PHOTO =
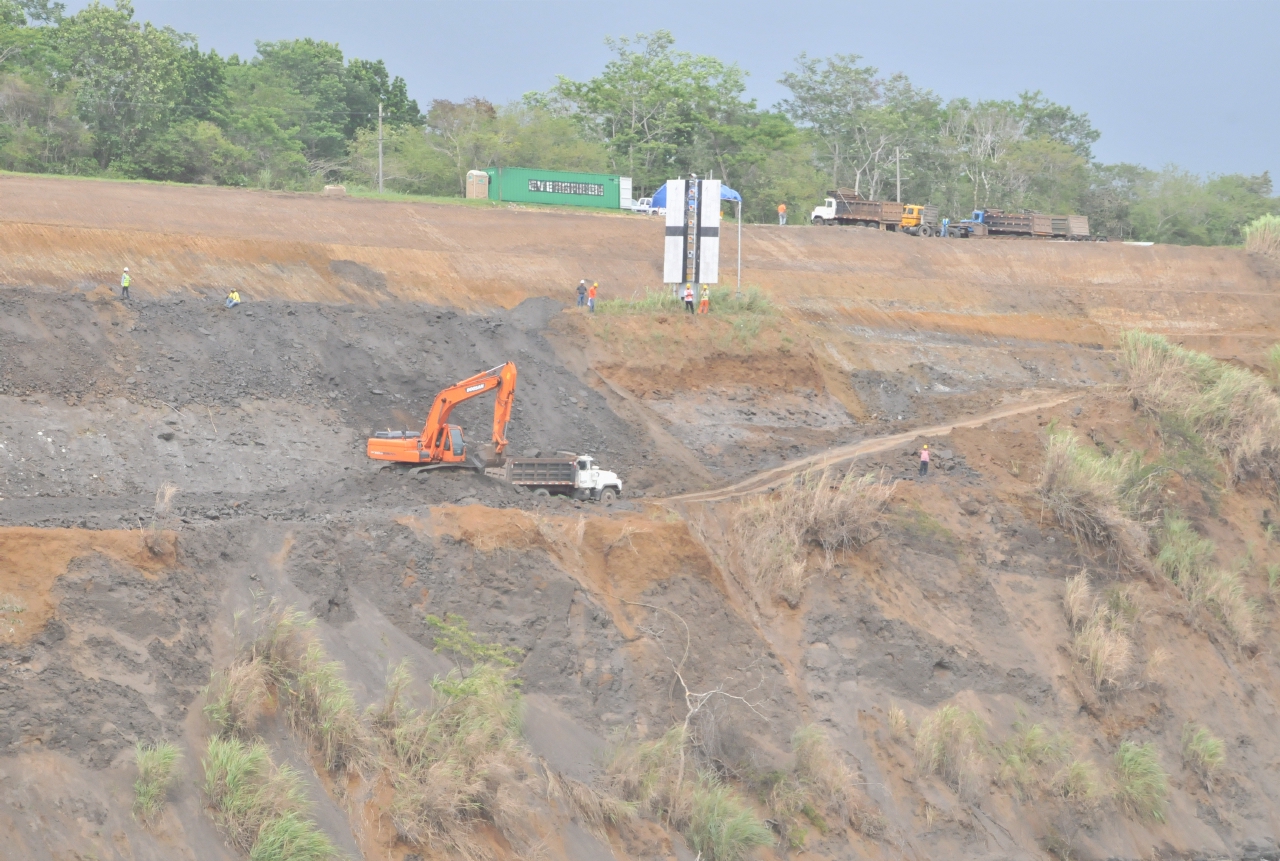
(768, 479)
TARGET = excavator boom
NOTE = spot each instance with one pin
(441, 442)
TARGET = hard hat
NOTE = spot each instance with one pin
(595, 283)
(926, 445)
(126, 269)
(583, 281)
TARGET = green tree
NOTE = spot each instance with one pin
(656, 109)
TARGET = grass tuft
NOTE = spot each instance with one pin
(899, 725)
(950, 743)
(1027, 757)
(1100, 499)
(715, 820)
(449, 764)
(1142, 787)
(1100, 631)
(252, 799)
(774, 532)
(1202, 751)
(1078, 782)
(722, 826)
(155, 775)
(1187, 560)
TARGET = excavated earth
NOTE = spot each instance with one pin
(358, 311)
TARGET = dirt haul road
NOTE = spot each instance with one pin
(359, 311)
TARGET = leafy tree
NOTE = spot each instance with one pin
(656, 109)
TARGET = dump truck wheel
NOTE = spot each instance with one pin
(926, 231)
(542, 491)
(608, 495)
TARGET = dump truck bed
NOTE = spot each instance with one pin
(541, 471)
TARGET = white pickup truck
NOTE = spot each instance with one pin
(570, 475)
(645, 206)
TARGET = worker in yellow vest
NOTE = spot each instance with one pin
(124, 284)
(233, 298)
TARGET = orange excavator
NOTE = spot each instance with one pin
(440, 443)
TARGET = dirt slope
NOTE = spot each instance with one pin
(359, 311)
(78, 234)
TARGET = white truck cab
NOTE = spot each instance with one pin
(594, 482)
(824, 214)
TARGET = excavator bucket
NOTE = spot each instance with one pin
(487, 455)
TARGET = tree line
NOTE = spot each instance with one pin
(100, 93)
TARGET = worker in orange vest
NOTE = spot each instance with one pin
(782, 213)
(591, 296)
(704, 307)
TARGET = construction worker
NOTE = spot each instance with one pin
(704, 307)
(782, 213)
(924, 459)
(124, 284)
(688, 297)
(582, 293)
(591, 296)
(233, 298)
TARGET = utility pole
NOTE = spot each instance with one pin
(379, 147)
(897, 163)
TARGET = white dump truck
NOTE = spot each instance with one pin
(573, 475)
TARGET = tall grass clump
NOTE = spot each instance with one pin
(826, 784)
(1187, 560)
(1233, 410)
(1100, 499)
(1029, 758)
(711, 815)
(722, 826)
(774, 533)
(283, 660)
(1142, 787)
(155, 763)
(262, 810)
(1202, 751)
(951, 743)
(1262, 236)
(1100, 633)
(456, 761)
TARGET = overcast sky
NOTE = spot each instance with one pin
(1191, 83)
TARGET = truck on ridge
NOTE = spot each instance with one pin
(846, 206)
(1024, 225)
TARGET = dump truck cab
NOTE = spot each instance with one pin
(824, 214)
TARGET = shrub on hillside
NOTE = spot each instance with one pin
(1234, 411)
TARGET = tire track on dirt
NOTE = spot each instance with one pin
(763, 481)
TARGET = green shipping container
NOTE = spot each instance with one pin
(525, 185)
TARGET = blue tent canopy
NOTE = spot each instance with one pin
(726, 193)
